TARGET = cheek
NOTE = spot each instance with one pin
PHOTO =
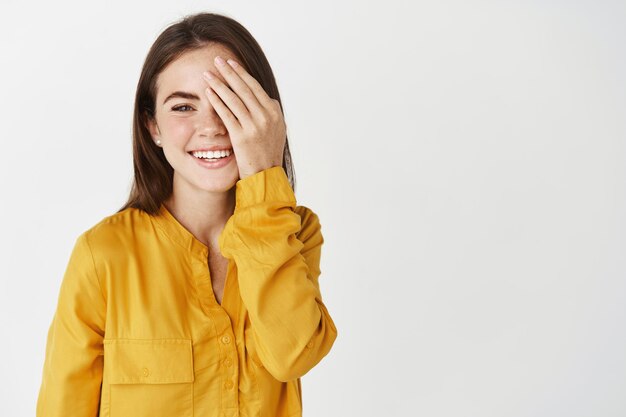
(178, 127)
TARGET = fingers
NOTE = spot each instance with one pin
(253, 85)
(229, 119)
(242, 88)
(228, 105)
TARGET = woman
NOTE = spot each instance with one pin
(200, 296)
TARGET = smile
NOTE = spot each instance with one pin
(213, 160)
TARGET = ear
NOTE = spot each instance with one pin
(154, 129)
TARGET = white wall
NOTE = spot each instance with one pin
(466, 159)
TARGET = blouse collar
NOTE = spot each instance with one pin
(178, 233)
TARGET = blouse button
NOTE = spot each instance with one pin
(227, 362)
(225, 339)
(145, 371)
(229, 384)
(310, 344)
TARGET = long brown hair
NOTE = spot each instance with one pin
(153, 179)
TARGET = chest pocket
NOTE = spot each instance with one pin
(149, 377)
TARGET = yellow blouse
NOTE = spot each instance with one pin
(138, 332)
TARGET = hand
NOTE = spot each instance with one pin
(254, 120)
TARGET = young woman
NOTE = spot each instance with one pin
(200, 296)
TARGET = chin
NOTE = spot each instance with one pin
(216, 185)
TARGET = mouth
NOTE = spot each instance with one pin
(216, 159)
(212, 155)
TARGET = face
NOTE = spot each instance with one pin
(187, 122)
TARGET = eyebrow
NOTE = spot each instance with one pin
(181, 94)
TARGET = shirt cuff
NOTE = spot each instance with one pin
(271, 184)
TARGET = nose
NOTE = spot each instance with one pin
(210, 123)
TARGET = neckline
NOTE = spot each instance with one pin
(178, 233)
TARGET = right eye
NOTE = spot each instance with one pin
(178, 108)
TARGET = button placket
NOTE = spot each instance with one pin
(230, 372)
(226, 340)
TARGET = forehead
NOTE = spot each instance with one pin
(189, 67)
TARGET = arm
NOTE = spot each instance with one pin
(277, 254)
(72, 371)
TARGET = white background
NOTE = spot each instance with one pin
(467, 160)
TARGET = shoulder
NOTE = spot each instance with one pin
(117, 232)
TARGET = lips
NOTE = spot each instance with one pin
(212, 164)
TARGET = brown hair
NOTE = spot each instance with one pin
(153, 179)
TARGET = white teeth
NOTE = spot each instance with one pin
(211, 154)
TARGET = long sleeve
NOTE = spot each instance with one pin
(73, 366)
(277, 255)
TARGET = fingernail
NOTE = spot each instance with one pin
(232, 63)
(207, 75)
(219, 61)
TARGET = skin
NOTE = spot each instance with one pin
(233, 110)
